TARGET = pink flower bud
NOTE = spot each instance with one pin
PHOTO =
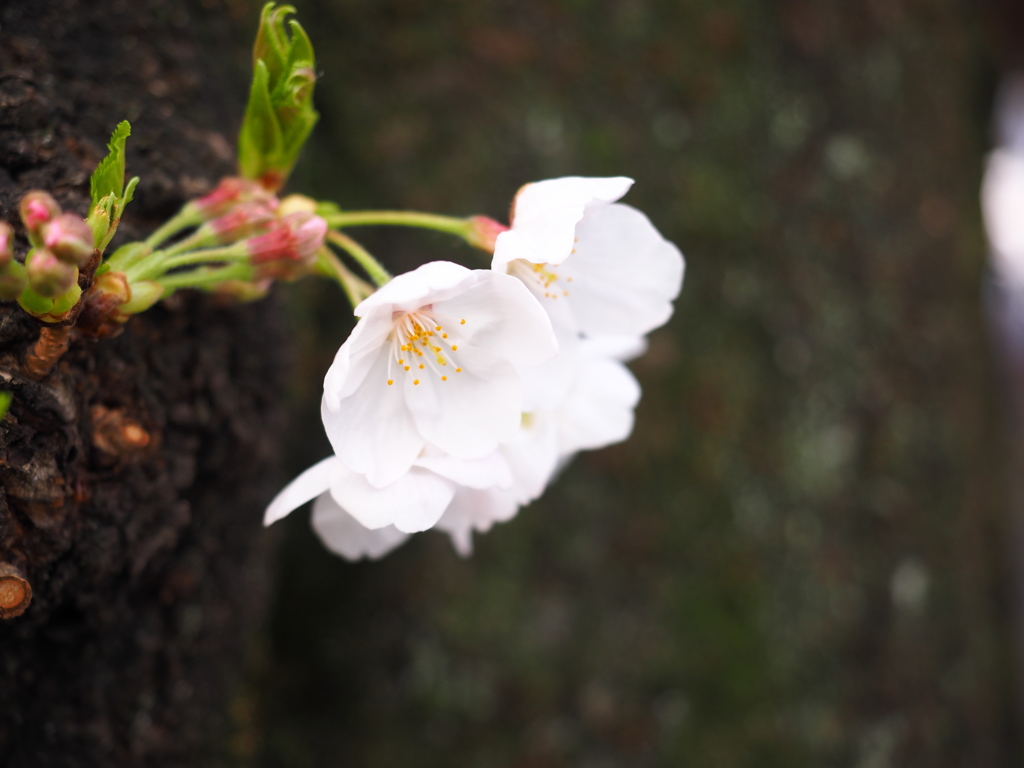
(37, 208)
(289, 247)
(49, 276)
(6, 244)
(243, 220)
(484, 232)
(70, 239)
(230, 192)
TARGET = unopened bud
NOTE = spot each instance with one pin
(144, 295)
(295, 204)
(6, 244)
(70, 239)
(483, 232)
(47, 275)
(289, 247)
(114, 287)
(13, 280)
(243, 290)
(37, 208)
(230, 192)
(242, 221)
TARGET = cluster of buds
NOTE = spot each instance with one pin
(280, 237)
(230, 193)
(62, 244)
(289, 247)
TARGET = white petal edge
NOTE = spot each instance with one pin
(306, 487)
(342, 534)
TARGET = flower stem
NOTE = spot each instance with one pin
(181, 220)
(330, 265)
(450, 224)
(373, 268)
(230, 253)
(205, 276)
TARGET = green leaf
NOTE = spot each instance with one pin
(129, 194)
(280, 115)
(108, 178)
(260, 138)
(5, 403)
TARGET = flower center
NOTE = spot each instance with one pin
(542, 279)
(419, 344)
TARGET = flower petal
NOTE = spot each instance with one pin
(501, 315)
(341, 533)
(487, 472)
(411, 290)
(545, 214)
(474, 410)
(355, 357)
(372, 431)
(625, 275)
(412, 503)
(599, 410)
(303, 488)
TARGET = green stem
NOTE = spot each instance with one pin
(229, 253)
(204, 276)
(373, 268)
(330, 265)
(450, 224)
(181, 220)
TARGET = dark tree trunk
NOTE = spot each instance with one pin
(132, 477)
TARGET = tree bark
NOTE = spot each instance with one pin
(132, 477)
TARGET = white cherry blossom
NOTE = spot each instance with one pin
(412, 503)
(597, 266)
(434, 359)
(595, 410)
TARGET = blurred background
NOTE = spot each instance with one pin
(803, 556)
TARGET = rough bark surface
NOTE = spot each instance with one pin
(132, 477)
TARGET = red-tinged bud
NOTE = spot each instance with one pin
(47, 275)
(37, 208)
(483, 232)
(289, 247)
(230, 192)
(244, 220)
(6, 244)
(70, 239)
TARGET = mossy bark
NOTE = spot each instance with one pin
(132, 476)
